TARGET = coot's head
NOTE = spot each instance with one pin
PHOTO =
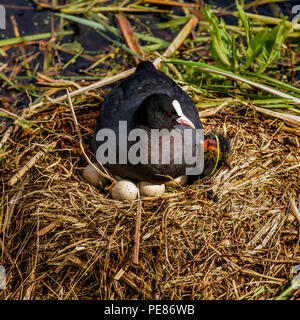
(160, 111)
(216, 151)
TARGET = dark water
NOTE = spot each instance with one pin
(31, 21)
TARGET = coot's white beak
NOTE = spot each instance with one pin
(182, 118)
(185, 121)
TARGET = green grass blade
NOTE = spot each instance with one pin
(210, 69)
(273, 81)
(17, 40)
(102, 26)
(245, 20)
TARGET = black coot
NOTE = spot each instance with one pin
(148, 99)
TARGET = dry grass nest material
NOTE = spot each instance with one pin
(64, 239)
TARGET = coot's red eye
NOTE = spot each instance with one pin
(169, 113)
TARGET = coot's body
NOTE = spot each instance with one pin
(123, 103)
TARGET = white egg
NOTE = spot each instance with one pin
(124, 190)
(181, 181)
(151, 190)
(92, 176)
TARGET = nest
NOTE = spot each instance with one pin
(234, 235)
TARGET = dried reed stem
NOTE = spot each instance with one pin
(129, 37)
(104, 174)
(137, 234)
(24, 169)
